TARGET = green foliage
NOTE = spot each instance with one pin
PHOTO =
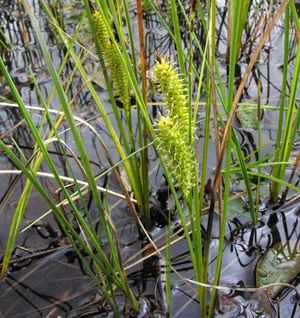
(285, 144)
(238, 11)
(175, 138)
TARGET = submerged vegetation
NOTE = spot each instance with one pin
(195, 142)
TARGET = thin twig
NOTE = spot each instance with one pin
(245, 289)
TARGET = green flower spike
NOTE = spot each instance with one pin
(177, 154)
(112, 59)
(175, 143)
(174, 92)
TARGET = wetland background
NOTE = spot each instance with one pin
(47, 276)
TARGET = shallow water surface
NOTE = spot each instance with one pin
(46, 279)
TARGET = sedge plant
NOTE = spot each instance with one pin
(173, 134)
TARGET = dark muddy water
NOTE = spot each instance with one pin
(46, 279)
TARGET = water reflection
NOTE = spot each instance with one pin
(244, 246)
(24, 54)
(22, 291)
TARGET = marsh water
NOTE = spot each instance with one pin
(46, 278)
